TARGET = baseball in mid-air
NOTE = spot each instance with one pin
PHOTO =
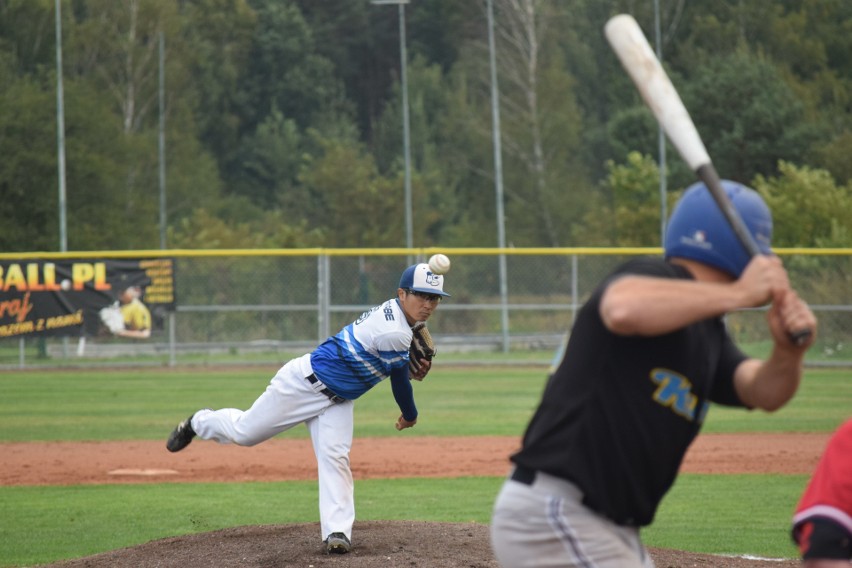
(65, 284)
(439, 264)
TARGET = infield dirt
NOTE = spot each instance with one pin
(387, 544)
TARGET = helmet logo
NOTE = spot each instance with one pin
(697, 239)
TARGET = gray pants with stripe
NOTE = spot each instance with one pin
(546, 524)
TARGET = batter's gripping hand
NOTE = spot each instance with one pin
(421, 352)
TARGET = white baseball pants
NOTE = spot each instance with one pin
(289, 400)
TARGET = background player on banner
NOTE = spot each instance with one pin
(128, 316)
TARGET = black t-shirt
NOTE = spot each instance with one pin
(618, 414)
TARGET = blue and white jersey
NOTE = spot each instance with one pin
(364, 352)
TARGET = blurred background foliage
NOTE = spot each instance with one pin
(284, 124)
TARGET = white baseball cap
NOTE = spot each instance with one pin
(420, 278)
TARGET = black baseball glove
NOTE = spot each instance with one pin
(422, 348)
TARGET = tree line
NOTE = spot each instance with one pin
(283, 121)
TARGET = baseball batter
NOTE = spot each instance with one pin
(822, 524)
(319, 389)
(648, 353)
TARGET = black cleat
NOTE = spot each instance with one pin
(337, 543)
(181, 436)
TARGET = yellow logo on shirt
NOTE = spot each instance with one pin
(675, 391)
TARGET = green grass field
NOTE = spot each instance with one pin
(743, 514)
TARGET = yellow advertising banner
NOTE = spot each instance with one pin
(124, 298)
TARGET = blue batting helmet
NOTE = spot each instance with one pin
(698, 230)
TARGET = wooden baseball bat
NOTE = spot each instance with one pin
(653, 83)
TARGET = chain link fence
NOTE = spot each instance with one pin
(257, 306)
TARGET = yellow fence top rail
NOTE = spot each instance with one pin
(421, 252)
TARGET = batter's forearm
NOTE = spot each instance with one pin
(769, 384)
(638, 305)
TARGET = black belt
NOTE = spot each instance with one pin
(523, 475)
(312, 378)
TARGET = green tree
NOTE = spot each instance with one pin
(26, 34)
(284, 70)
(95, 150)
(545, 180)
(115, 57)
(834, 154)
(105, 210)
(29, 195)
(261, 95)
(627, 210)
(747, 115)
(348, 200)
(205, 229)
(270, 161)
(286, 86)
(432, 124)
(217, 36)
(809, 209)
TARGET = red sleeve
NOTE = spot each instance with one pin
(829, 492)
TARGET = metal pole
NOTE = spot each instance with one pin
(60, 142)
(406, 135)
(661, 137)
(498, 179)
(162, 144)
(323, 297)
(60, 132)
(406, 130)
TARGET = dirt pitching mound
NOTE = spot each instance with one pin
(389, 544)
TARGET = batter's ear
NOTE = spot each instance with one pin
(400, 293)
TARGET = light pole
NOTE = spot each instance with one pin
(60, 132)
(498, 178)
(161, 138)
(60, 151)
(406, 135)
